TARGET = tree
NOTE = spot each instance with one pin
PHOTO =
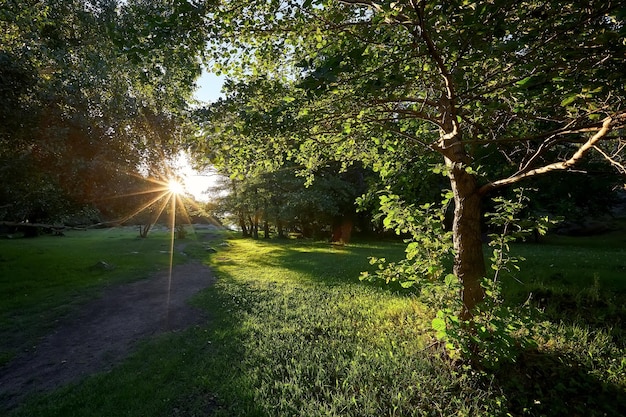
(96, 91)
(281, 201)
(533, 86)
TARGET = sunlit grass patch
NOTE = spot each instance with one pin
(316, 341)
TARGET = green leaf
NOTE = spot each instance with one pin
(450, 280)
(438, 324)
(569, 100)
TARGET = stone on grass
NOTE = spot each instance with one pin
(102, 266)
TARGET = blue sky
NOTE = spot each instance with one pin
(196, 183)
(209, 87)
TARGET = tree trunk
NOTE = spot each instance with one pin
(144, 230)
(266, 229)
(242, 225)
(342, 230)
(280, 229)
(266, 225)
(254, 226)
(469, 261)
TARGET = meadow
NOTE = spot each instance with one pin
(293, 332)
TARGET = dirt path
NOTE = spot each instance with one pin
(103, 332)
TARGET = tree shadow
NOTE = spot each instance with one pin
(550, 384)
(599, 310)
(565, 383)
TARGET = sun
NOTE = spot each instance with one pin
(175, 187)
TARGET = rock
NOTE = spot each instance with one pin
(102, 266)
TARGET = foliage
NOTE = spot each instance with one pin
(506, 220)
(393, 83)
(96, 92)
(495, 333)
(283, 201)
(429, 245)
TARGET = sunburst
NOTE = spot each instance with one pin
(164, 194)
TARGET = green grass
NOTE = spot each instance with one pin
(292, 332)
(574, 279)
(575, 263)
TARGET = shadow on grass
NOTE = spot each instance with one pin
(332, 264)
(546, 384)
(560, 383)
(598, 311)
(543, 384)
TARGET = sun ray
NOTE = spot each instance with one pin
(173, 197)
(165, 199)
(163, 190)
(161, 209)
(143, 207)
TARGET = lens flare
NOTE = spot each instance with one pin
(162, 198)
(175, 187)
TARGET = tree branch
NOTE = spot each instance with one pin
(607, 125)
(619, 166)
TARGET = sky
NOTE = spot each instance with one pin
(210, 86)
(196, 183)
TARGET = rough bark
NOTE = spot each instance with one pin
(469, 260)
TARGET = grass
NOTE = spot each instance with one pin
(576, 280)
(45, 278)
(294, 333)
(575, 263)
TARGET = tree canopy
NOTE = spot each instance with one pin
(94, 92)
(501, 91)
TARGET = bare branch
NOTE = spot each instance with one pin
(545, 136)
(621, 168)
(607, 125)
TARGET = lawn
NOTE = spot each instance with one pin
(45, 278)
(292, 332)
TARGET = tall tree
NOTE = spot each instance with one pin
(96, 91)
(533, 86)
